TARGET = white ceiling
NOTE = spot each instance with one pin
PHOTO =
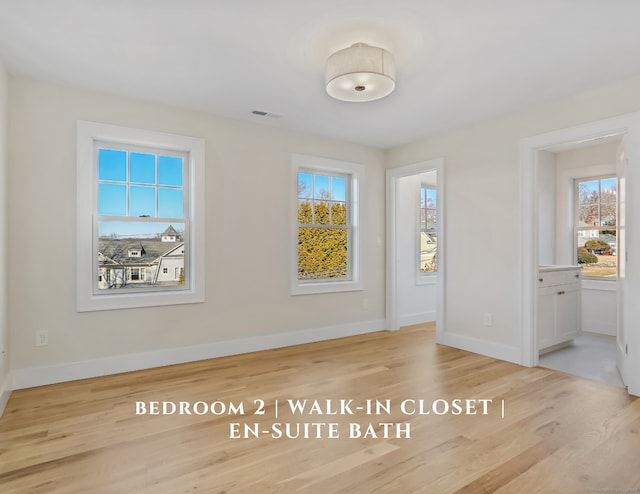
(458, 61)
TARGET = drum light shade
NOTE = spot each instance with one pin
(360, 73)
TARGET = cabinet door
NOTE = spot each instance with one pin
(546, 316)
(568, 311)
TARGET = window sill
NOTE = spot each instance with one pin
(326, 287)
(426, 279)
(135, 300)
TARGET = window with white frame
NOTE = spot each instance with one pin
(596, 226)
(135, 274)
(327, 225)
(139, 202)
(428, 253)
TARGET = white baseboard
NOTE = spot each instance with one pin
(418, 318)
(71, 371)
(5, 393)
(488, 348)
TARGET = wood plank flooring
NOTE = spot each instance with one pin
(559, 434)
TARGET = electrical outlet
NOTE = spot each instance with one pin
(42, 337)
(488, 319)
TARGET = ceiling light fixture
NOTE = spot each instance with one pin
(360, 73)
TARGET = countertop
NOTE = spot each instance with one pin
(546, 269)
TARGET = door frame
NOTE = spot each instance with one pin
(628, 125)
(393, 176)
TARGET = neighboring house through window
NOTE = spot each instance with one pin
(428, 260)
(596, 226)
(140, 212)
(327, 225)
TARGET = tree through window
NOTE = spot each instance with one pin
(323, 226)
(327, 219)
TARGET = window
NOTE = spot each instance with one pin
(139, 203)
(327, 225)
(135, 274)
(596, 226)
(323, 230)
(428, 230)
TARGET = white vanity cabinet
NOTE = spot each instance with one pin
(559, 305)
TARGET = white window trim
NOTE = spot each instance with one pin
(87, 134)
(356, 192)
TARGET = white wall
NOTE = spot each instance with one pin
(416, 299)
(546, 208)
(483, 233)
(4, 332)
(247, 243)
(249, 301)
(599, 298)
(599, 309)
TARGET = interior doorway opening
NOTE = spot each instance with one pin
(578, 218)
(626, 128)
(415, 245)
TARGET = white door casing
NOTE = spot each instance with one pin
(622, 360)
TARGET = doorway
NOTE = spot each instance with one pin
(415, 245)
(533, 152)
(578, 218)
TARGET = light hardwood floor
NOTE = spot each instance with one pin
(559, 434)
